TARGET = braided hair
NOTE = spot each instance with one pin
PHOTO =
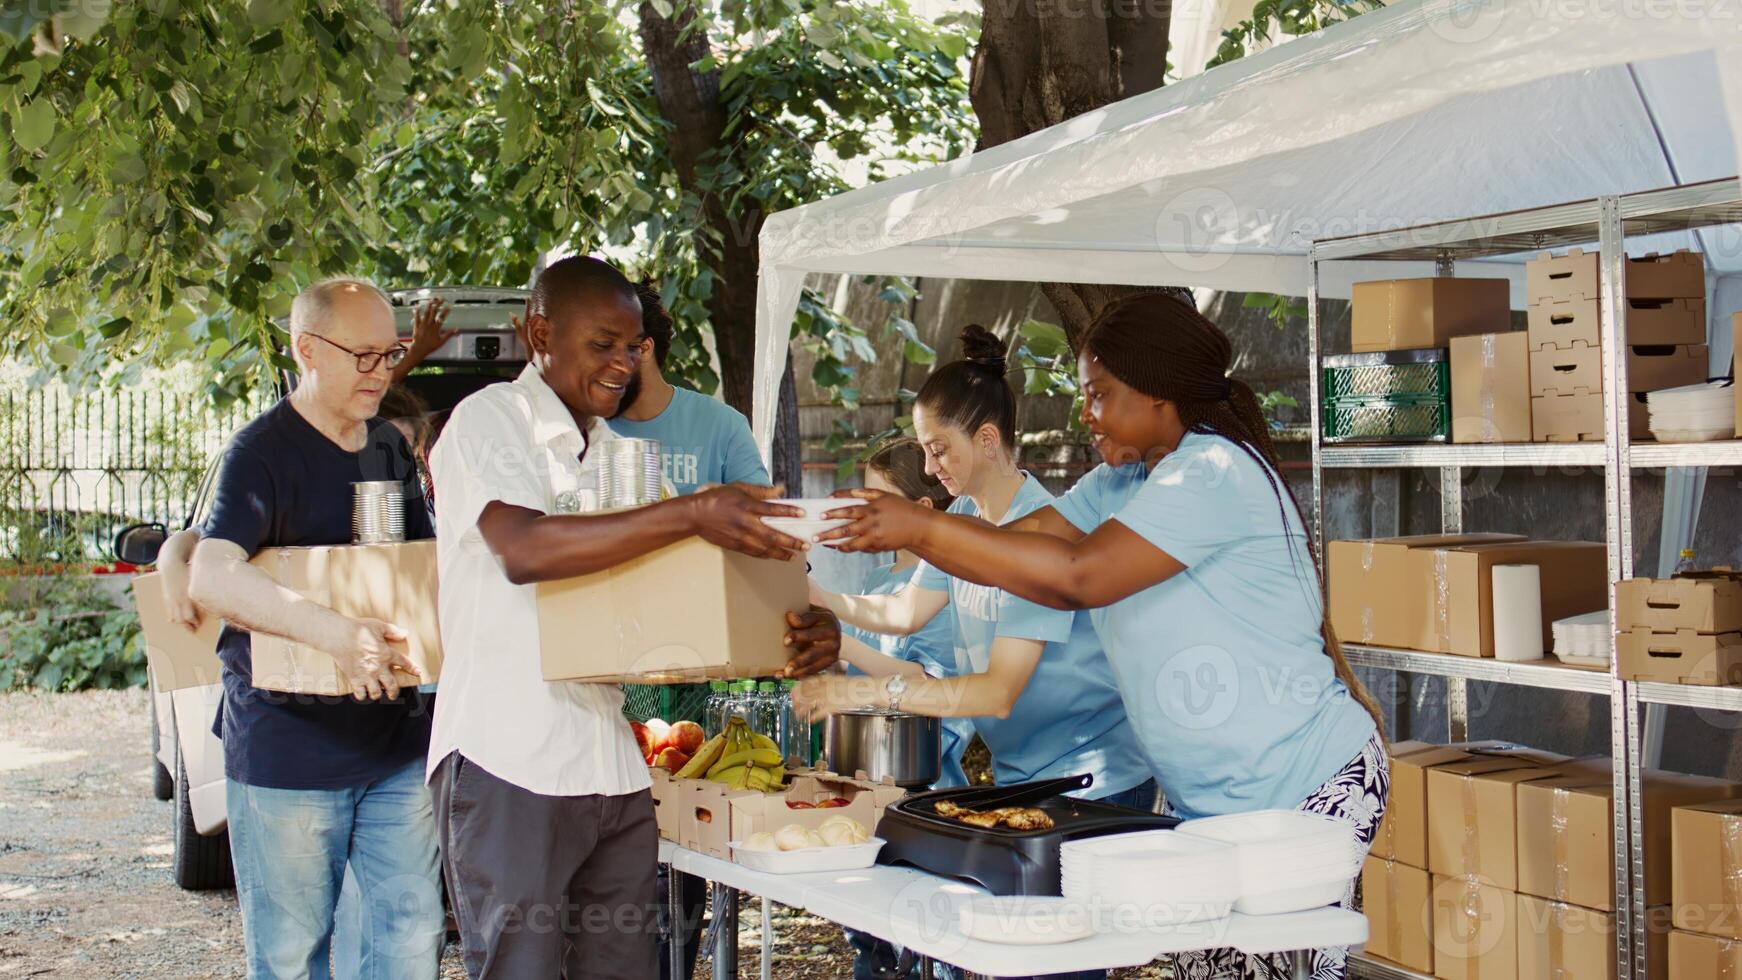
(1164, 348)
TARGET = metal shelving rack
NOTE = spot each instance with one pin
(1607, 221)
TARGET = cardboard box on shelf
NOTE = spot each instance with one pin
(1551, 278)
(1681, 657)
(1402, 314)
(1566, 841)
(1397, 900)
(1705, 602)
(1472, 813)
(1666, 321)
(1450, 597)
(1696, 957)
(1564, 323)
(391, 582)
(617, 625)
(1567, 418)
(1570, 370)
(1667, 366)
(1475, 930)
(1491, 388)
(1402, 833)
(179, 657)
(1565, 942)
(1678, 275)
(1369, 592)
(1706, 868)
(712, 816)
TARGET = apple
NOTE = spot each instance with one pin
(658, 735)
(643, 739)
(800, 805)
(686, 737)
(671, 759)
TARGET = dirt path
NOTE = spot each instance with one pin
(85, 887)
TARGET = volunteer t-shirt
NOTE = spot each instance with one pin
(701, 440)
(933, 647)
(1223, 666)
(1069, 718)
(282, 483)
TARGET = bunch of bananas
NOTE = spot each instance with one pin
(739, 758)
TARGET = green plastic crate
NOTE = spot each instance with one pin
(1388, 374)
(1396, 419)
(672, 702)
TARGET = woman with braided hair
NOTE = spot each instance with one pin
(1191, 552)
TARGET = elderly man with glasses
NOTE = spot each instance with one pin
(319, 784)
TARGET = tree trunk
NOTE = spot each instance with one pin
(690, 100)
(1041, 62)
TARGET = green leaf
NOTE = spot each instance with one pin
(264, 14)
(269, 41)
(918, 353)
(33, 125)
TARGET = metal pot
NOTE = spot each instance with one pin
(884, 744)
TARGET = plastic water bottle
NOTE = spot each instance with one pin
(765, 715)
(796, 741)
(714, 709)
(1686, 563)
(739, 702)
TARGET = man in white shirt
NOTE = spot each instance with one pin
(541, 793)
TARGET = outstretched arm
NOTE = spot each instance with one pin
(1111, 563)
(898, 614)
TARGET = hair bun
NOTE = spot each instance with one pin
(982, 347)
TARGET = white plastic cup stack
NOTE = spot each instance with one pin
(1584, 640)
(630, 474)
(377, 512)
(1289, 860)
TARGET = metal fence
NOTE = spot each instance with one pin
(75, 467)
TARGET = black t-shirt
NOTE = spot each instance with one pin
(284, 484)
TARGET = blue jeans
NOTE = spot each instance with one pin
(291, 849)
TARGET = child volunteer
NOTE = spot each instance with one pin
(1192, 552)
(1034, 680)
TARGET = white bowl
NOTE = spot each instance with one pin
(815, 507)
(812, 523)
(1026, 920)
(802, 528)
(809, 859)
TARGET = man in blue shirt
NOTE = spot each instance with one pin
(319, 784)
(701, 440)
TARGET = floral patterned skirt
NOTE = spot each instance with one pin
(1356, 793)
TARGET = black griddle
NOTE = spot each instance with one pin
(1003, 861)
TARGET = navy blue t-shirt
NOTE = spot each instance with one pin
(284, 484)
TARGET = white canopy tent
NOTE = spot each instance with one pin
(1421, 112)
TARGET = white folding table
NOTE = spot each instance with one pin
(918, 911)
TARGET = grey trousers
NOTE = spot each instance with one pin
(547, 886)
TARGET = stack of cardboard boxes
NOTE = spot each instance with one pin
(1685, 630)
(1432, 592)
(1706, 891)
(1665, 333)
(706, 816)
(1497, 862)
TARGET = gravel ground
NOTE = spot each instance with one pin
(85, 887)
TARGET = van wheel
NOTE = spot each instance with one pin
(201, 863)
(162, 784)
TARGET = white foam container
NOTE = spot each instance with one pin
(1025, 920)
(809, 859)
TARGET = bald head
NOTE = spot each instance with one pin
(317, 305)
(576, 283)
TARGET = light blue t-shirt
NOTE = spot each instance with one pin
(1223, 666)
(932, 646)
(1069, 718)
(701, 440)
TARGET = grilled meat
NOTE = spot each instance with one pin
(1014, 817)
(944, 808)
(1028, 818)
(983, 820)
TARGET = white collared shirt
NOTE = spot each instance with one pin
(516, 442)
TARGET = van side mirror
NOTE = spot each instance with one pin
(138, 544)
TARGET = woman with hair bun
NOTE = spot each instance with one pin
(1034, 680)
(1191, 551)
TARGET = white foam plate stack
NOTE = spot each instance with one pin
(1028, 920)
(1288, 860)
(1584, 640)
(1149, 879)
(812, 523)
(805, 860)
(1693, 413)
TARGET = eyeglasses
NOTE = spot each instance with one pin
(368, 360)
